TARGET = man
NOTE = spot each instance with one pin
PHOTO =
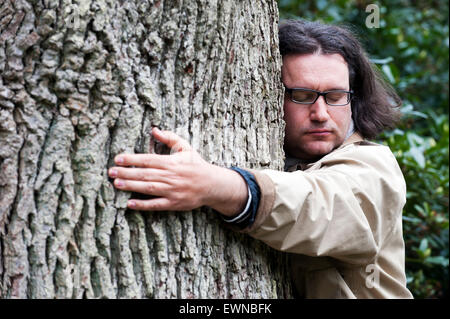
(338, 209)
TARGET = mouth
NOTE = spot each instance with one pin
(319, 132)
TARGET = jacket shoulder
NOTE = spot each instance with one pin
(362, 153)
(364, 161)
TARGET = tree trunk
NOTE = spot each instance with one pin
(84, 80)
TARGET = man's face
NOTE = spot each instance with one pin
(313, 131)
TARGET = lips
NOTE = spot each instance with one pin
(319, 132)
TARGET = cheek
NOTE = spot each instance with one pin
(342, 118)
(294, 115)
(291, 125)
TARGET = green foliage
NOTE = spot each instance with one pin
(410, 47)
(423, 157)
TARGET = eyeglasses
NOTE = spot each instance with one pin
(307, 96)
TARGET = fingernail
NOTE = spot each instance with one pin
(119, 160)
(131, 203)
(119, 183)
(113, 172)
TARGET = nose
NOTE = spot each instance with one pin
(319, 110)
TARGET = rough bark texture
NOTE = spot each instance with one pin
(84, 80)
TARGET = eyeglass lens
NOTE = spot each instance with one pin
(332, 98)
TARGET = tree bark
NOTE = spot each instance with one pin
(84, 80)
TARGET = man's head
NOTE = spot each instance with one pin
(313, 130)
(323, 58)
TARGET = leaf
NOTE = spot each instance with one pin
(382, 61)
(408, 109)
(321, 4)
(388, 72)
(418, 156)
(437, 260)
(415, 139)
(423, 244)
(413, 220)
(398, 132)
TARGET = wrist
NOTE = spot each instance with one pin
(229, 194)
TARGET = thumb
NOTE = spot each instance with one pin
(172, 140)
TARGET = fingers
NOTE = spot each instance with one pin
(158, 175)
(149, 188)
(156, 204)
(138, 174)
(172, 140)
(141, 160)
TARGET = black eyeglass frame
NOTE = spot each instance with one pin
(318, 94)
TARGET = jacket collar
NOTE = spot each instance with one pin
(354, 138)
(293, 164)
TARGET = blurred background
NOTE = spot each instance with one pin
(409, 43)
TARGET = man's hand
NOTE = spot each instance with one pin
(181, 181)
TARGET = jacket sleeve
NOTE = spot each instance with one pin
(344, 208)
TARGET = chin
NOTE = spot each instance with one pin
(315, 151)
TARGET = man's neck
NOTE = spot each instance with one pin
(351, 137)
(293, 161)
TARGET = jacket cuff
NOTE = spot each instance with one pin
(266, 202)
(245, 218)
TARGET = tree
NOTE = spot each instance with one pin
(82, 81)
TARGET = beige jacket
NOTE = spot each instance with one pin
(341, 218)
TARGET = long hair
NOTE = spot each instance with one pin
(375, 105)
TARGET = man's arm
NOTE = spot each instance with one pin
(345, 208)
(181, 181)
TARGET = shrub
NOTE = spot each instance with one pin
(411, 49)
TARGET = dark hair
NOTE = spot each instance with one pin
(375, 105)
